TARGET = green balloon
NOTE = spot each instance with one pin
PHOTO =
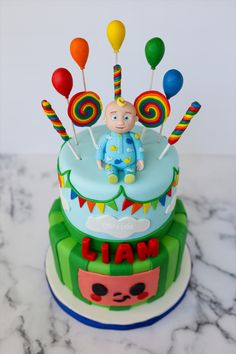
(154, 51)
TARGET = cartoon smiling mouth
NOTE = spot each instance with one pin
(125, 297)
(121, 128)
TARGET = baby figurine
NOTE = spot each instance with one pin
(121, 149)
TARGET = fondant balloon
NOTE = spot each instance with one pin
(154, 51)
(79, 50)
(116, 34)
(172, 82)
(62, 81)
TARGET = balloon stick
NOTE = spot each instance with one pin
(154, 52)
(73, 128)
(143, 133)
(164, 151)
(84, 82)
(73, 151)
(57, 125)
(151, 84)
(181, 127)
(150, 87)
(151, 81)
(75, 136)
(93, 138)
(160, 132)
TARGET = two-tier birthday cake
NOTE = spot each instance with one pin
(118, 230)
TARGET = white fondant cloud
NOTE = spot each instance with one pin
(171, 206)
(64, 202)
(120, 228)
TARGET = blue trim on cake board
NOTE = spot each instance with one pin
(100, 325)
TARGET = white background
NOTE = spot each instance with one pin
(200, 39)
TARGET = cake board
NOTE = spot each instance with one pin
(136, 317)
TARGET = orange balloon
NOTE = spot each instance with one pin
(79, 50)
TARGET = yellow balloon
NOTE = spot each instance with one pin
(116, 34)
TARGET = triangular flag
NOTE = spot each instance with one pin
(169, 192)
(136, 207)
(61, 180)
(112, 204)
(154, 204)
(176, 181)
(91, 205)
(81, 201)
(101, 207)
(67, 185)
(73, 194)
(127, 203)
(146, 207)
(162, 200)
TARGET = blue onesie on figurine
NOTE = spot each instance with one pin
(121, 149)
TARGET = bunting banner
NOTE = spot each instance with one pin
(127, 203)
(61, 181)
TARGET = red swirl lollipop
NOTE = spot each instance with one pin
(85, 108)
(152, 108)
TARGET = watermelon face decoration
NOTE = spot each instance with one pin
(124, 290)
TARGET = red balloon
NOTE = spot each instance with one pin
(62, 81)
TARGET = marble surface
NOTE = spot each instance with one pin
(30, 320)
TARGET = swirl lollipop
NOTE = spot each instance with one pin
(181, 126)
(84, 110)
(152, 108)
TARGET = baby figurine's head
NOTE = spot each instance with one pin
(120, 116)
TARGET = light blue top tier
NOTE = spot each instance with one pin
(90, 183)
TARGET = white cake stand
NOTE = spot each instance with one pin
(136, 317)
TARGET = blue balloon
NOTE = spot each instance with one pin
(172, 82)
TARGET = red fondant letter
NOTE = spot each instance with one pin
(86, 252)
(105, 253)
(149, 250)
(124, 251)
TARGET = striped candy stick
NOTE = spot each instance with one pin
(57, 125)
(181, 127)
(117, 81)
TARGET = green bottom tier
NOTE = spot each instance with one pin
(117, 286)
